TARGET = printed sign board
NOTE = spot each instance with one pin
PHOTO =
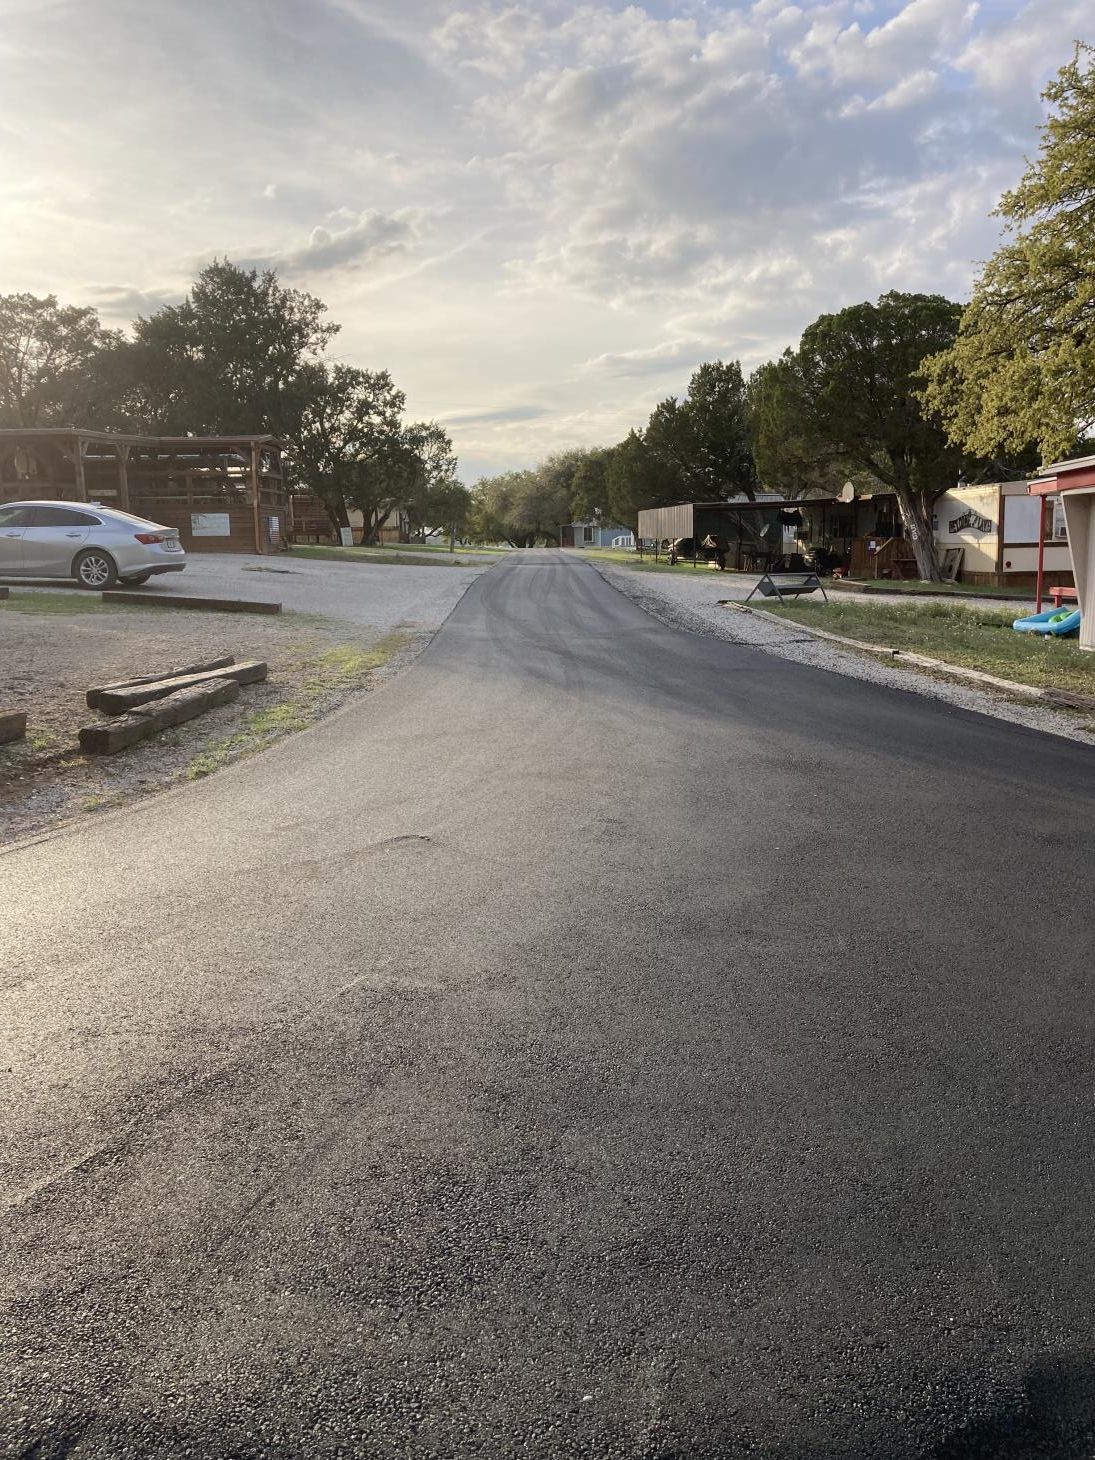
(274, 528)
(346, 536)
(210, 524)
(970, 522)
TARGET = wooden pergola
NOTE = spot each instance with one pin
(222, 493)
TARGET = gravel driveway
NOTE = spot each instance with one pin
(343, 629)
(379, 595)
(690, 601)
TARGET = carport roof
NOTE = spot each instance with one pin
(1064, 476)
(122, 438)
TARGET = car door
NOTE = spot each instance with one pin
(52, 539)
(13, 523)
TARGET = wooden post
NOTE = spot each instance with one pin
(78, 469)
(255, 493)
(123, 476)
(1041, 553)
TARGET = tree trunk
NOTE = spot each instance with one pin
(378, 520)
(916, 517)
(336, 511)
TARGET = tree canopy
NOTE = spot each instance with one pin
(849, 394)
(704, 441)
(348, 438)
(237, 355)
(53, 363)
(1023, 366)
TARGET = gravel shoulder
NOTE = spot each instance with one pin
(344, 631)
(690, 602)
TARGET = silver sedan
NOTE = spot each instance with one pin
(98, 546)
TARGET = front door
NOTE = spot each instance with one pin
(13, 524)
(52, 539)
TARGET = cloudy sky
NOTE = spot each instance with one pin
(539, 216)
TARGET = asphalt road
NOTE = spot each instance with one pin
(601, 1041)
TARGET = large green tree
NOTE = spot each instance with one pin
(636, 477)
(705, 438)
(56, 366)
(431, 447)
(349, 440)
(522, 508)
(449, 505)
(589, 485)
(854, 378)
(789, 459)
(236, 356)
(1023, 366)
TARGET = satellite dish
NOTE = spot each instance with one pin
(847, 492)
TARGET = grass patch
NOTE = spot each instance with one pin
(334, 672)
(918, 585)
(645, 564)
(967, 634)
(441, 547)
(389, 556)
(36, 601)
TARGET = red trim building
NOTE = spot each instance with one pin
(1074, 482)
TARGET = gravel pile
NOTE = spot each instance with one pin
(690, 602)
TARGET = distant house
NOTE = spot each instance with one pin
(596, 534)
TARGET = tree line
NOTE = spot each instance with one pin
(901, 395)
(241, 354)
(904, 395)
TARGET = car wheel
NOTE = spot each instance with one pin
(136, 582)
(95, 569)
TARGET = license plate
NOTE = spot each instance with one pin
(172, 545)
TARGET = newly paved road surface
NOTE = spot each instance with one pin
(602, 1041)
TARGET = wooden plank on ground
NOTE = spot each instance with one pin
(114, 735)
(179, 600)
(220, 662)
(13, 725)
(119, 701)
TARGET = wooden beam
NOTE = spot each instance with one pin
(13, 725)
(220, 662)
(78, 468)
(128, 697)
(113, 735)
(145, 599)
(123, 477)
(255, 493)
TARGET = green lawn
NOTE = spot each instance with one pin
(74, 601)
(389, 555)
(645, 564)
(967, 634)
(961, 590)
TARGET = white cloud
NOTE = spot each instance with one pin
(348, 241)
(539, 214)
(670, 355)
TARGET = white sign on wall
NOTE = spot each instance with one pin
(346, 536)
(210, 524)
(1021, 519)
(274, 528)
